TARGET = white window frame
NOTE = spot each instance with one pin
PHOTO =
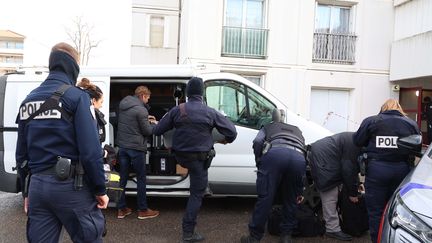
(244, 23)
(163, 21)
(334, 4)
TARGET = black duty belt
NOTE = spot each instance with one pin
(288, 147)
(52, 171)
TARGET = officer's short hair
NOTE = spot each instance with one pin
(142, 90)
(65, 47)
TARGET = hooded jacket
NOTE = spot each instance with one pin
(133, 124)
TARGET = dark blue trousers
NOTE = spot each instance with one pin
(381, 181)
(54, 203)
(198, 177)
(279, 166)
(136, 159)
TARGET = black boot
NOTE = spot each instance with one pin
(285, 239)
(248, 239)
(192, 237)
(339, 235)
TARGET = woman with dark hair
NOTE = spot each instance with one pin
(96, 97)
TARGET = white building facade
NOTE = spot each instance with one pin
(327, 60)
(411, 56)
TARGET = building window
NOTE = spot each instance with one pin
(156, 31)
(256, 79)
(334, 40)
(11, 59)
(244, 34)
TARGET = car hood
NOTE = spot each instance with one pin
(416, 193)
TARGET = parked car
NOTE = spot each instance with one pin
(408, 214)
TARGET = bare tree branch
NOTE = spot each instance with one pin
(80, 34)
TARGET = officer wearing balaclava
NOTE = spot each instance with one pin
(192, 144)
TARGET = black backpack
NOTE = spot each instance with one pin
(353, 216)
(309, 223)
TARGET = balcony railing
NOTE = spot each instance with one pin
(244, 42)
(334, 48)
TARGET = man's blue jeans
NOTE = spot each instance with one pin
(136, 159)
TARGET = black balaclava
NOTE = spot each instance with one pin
(63, 62)
(195, 86)
(276, 116)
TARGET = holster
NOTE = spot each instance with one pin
(25, 189)
(211, 154)
(362, 162)
(79, 175)
(266, 148)
(26, 185)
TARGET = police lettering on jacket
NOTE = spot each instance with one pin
(379, 134)
(27, 109)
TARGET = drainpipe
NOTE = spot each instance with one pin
(178, 30)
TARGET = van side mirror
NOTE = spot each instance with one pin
(412, 144)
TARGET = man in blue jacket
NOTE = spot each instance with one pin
(192, 142)
(51, 144)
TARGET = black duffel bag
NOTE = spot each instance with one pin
(353, 216)
(309, 223)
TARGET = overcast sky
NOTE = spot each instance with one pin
(44, 23)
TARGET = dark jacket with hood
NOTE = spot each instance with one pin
(40, 141)
(333, 161)
(133, 124)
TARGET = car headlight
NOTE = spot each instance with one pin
(401, 216)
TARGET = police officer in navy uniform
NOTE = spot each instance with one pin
(192, 141)
(387, 165)
(52, 145)
(279, 152)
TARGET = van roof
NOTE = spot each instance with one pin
(144, 71)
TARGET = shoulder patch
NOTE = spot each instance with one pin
(27, 109)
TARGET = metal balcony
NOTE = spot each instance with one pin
(334, 48)
(244, 42)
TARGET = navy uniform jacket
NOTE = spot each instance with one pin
(42, 140)
(379, 135)
(291, 135)
(333, 161)
(198, 136)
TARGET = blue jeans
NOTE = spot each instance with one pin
(198, 176)
(53, 203)
(381, 181)
(136, 159)
(279, 166)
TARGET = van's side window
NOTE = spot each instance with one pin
(241, 104)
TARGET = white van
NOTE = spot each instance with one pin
(233, 170)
